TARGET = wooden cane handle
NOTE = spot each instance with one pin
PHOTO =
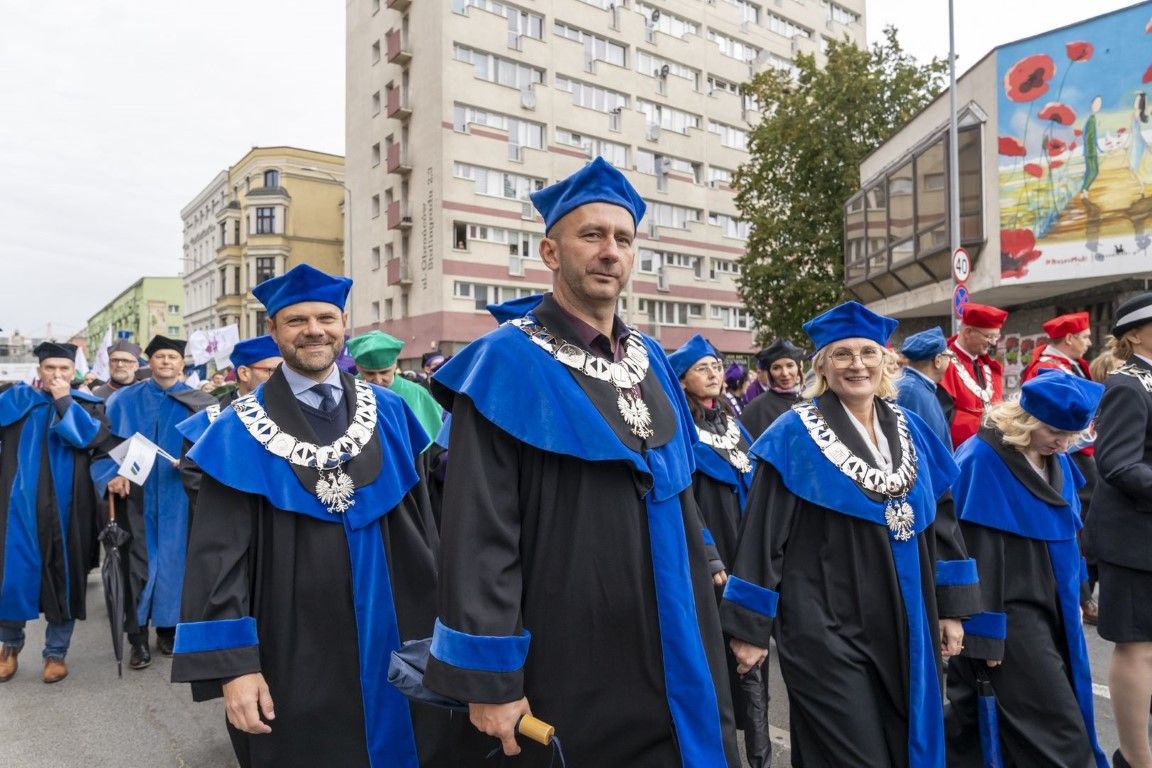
(534, 729)
(111, 507)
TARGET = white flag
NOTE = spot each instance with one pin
(193, 380)
(81, 361)
(100, 365)
(136, 456)
(212, 344)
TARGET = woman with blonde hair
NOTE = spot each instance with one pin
(843, 549)
(1119, 530)
(1019, 511)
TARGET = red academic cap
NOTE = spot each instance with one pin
(1059, 327)
(983, 316)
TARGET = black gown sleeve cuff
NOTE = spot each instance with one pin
(747, 611)
(957, 589)
(984, 635)
(215, 666)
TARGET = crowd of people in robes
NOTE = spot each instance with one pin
(565, 521)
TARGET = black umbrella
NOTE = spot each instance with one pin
(989, 721)
(111, 573)
(406, 673)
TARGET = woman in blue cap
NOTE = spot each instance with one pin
(1019, 514)
(842, 548)
(720, 485)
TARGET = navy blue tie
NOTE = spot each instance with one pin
(327, 401)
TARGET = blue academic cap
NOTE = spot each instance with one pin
(693, 350)
(848, 321)
(254, 350)
(597, 182)
(299, 284)
(510, 310)
(1061, 400)
(924, 345)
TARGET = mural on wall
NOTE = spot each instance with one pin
(1074, 123)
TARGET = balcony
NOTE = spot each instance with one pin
(398, 160)
(398, 106)
(398, 49)
(398, 216)
(398, 273)
(399, 5)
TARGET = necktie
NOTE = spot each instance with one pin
(979, 369)
(327, 401)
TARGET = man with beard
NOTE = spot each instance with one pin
(47, 507)
(156, 512)
(575, 582)
(311, 554)
(123, 362)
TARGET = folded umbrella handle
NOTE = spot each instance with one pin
(535, 729)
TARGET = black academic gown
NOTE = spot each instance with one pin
(759, 414)
(295, 575)
(48, 511)
(1024, 542)
(830, 582)
(560, 546)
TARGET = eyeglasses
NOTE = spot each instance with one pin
(870, 357)
(704, 368)
(265, 368)
(118, 361)
(991, 338)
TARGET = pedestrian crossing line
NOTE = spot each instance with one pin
(1101, 691)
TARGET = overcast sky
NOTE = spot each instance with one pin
(115, 113)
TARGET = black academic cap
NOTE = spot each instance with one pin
(776, 350)
(123, 345)
(47, 349)
(163, 342)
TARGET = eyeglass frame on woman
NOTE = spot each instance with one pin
(704, 368)
(844, 363)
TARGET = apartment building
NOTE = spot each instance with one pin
(457, 111)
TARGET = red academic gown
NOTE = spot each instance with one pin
(969, 402)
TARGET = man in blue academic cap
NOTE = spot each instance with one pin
(311, 555)
(47, 507)
(156, 513)
(575, 583)
(918, 388)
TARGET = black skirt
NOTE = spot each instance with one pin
(1125, 604)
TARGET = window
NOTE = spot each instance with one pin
(670, 312)
(520, 243)
(667, 23)
(782, 26)
(271, 178)
(375, 206)
(520, 21)
(488, 181)
(717, 84)
(265, 221)
(596, 48)
(375, 7)
(748, 11)
(668, 215)
(374, 315)
(387, 309)
(591, 96)
(614, 153)
(376, 52)
(730, 226)
(730, 136)
(666, 117)
(840, 14)
(730, 46)
(376, 154)
(723, 267)
(265, 268)
(374, 258)
(657, 164)
(647, 64)
(482, 295)
(735, 318)
(174, 330)
(719, 176)
(496, 69)
(376, 103)
(520, 132)
(261, 323)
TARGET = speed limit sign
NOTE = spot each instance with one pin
(961, 265)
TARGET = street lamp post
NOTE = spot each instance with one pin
(953, 157)
(347, 265)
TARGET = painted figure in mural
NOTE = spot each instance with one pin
(1139, 144)
(1091, 149)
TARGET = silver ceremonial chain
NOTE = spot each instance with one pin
(213, 412)
(335, 488)
(728, 442)
(624, 375)
(894, 486)
(1137, 372)
(985, 392)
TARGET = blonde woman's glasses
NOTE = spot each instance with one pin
(870, 357)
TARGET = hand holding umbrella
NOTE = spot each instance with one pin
(113, 537)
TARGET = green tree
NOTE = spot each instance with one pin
(804, 165)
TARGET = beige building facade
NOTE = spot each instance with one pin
(456, 112)
(277, 207)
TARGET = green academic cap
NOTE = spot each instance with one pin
(375, 350)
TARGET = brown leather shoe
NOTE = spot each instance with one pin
(8, 663)
(1091, 611)
(55, 670)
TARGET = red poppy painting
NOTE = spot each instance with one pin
(1058, 113)
(1033, 169)
(1010, 146)
(1147, 76)
(1028, 78)
(1055, 147)
(1017, 250)
(1079, 51)
(1055, 164)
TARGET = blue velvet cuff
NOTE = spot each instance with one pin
(956, 573)
(747, 595)
(1083, 570)
(486, 653)
(988, 624)
(707, 534)
(200, 636)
